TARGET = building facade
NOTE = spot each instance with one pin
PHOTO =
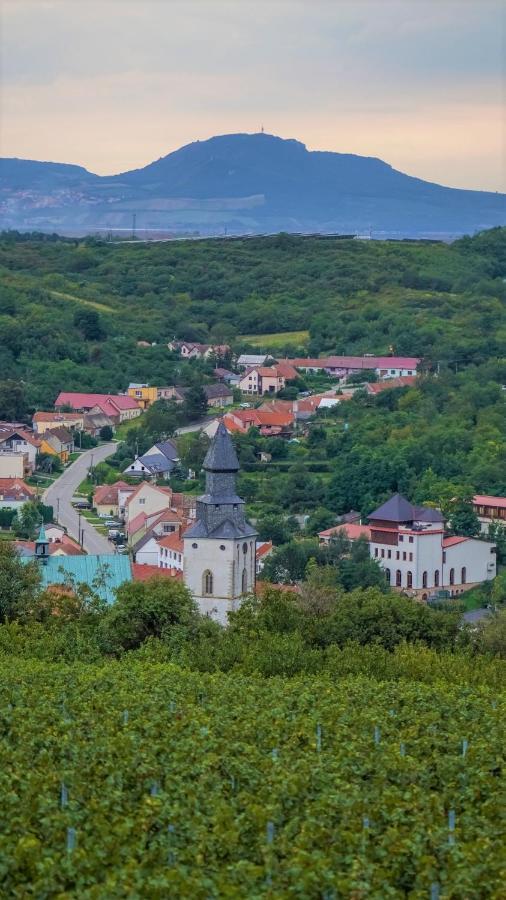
(219, 549)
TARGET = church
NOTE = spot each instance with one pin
(220, 547)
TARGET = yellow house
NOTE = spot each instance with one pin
(143, 394)
(58, 442)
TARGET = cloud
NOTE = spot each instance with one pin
(115, 83)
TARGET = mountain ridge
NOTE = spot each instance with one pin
(295, 189)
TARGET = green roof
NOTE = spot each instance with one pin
(104, 573)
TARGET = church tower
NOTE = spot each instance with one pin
(42, 546)
(219, 549)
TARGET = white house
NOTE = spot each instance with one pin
(171, 552)
(410, 544)
(219, 549)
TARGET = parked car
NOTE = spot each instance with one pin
(81, 504)
(111, 523)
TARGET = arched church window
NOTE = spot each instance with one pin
(244, 585)
(245, 547)
(207, 582)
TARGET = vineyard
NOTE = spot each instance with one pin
(142, 780)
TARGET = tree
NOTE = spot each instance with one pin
(13, 407)
(319, 520)
(492, 635)
(106, 433)
(89, 324)
(463, 519)
(146, 609)
(26, 522)
(195, 404)
(19, 583)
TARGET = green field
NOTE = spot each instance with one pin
(133, 779)
(276, 339)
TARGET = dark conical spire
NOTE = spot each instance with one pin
(221, 456)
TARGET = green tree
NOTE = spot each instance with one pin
(27, 520)
(195, 404)
(19, 583)
(106, 433)
(89, 324)
(463, 519)
(146, 609)
(13, 406)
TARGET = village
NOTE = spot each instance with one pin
(139, 525)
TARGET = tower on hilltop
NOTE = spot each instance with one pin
(219, 549)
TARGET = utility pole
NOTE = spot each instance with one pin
(134, 222)
(57, 510)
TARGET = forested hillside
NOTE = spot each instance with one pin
(71, 312)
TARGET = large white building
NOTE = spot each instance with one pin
(219, 549)
(411, 545)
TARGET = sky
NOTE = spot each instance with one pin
(114, 84)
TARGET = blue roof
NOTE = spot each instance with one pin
(104, 573)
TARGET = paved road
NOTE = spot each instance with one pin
(195, 426)
(64, 489)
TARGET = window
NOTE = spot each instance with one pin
(410, 539)
(387, 575)
(444, 556)
(207, 582)
(411, 557)
(390, 554)
(436, 578)
(222, 547)
(404, 555)
(383, 554)
(452, 576)
(463, 575)
(401, 537)
(142, 501)
(244, 580)
(245, 547)
(376, 551)
(397, 554)
(410, 580)
(194, 546)
(424, 580)
(398, 578)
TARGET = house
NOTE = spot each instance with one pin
(350, 530)
(45, 421)
(63, 545)
(157, 462)
(15, 438)
(103, 573)
(490, 511)
(250, 360)
(13, 465)
(193, 350)
(143, 394)
(95, 421)
(377, 387)
(106, 498)
(145, 532)
(147, 499)
(411, 545)
(225, 375)
(342, 366)
(218, 395)
(119, 407)
(14, 493)
(270, 423)
(171, 552)
(58, 442)
(263, 550)
(262, 380)
(172, 392)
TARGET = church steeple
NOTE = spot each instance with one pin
(42, 545)
(219, 549)
(220, 511)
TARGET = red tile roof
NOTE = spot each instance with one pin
(56, 417)
(358, 362)
(172, 542)
(108, 403)
(263, 549)
(452, 541)
(15, 489)
(485, 500)
(142, 572)
(389, 383)
(351, 531)
(108, 493)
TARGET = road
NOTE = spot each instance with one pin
(195, 426)
(64, 488)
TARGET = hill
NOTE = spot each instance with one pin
(242, 183)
